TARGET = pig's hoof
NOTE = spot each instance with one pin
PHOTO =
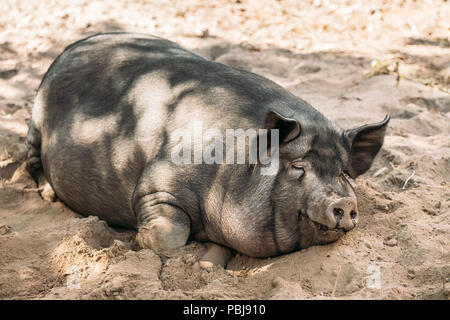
(161, 234)
(215, 255)
(47, 193)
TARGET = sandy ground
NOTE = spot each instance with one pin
(355, 61)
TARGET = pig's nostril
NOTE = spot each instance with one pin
(353, 214)
(338, 212)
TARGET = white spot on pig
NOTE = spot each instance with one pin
(86, 130)
(150, 108)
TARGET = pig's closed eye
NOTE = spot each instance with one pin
(299, 169)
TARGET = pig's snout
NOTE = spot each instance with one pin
(343, 213)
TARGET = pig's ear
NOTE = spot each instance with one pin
(289, 129)
(365, 142)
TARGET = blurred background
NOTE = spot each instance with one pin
(411, 35)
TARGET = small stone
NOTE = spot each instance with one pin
(189, 259)
(390, 242)
(367, 244)
(4, 229)
(204, 33)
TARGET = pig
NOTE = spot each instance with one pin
(102, 136)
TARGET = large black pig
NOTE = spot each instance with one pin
(105, 129)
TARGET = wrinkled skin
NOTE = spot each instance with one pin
(102, 132)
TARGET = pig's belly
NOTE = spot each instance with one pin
(96, 177)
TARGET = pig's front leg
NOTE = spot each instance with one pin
(162, 225)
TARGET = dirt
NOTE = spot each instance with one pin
(355, 61)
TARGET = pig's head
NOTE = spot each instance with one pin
(317, 158)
